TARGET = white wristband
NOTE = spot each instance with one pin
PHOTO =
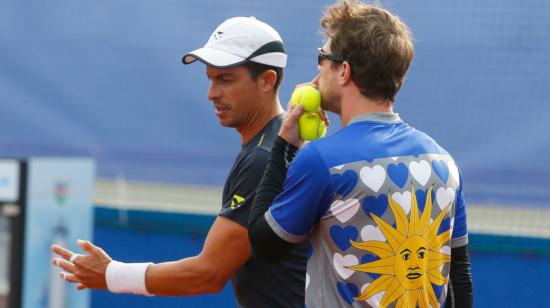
(127, 277)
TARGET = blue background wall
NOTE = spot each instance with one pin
(104, 78)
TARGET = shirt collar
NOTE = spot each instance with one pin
(385, 117)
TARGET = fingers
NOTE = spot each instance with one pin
(289, 128)
(324, 116)
(80, 287)
(62, 252)
(65, 265)
(74, 257)
(88, 247)
(95, 253)
(294, 113)
(304, 84)
(289, 107)
(72, 279)
(69, 277)
(315, 81)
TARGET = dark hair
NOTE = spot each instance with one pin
(376, 44)
(256, 69)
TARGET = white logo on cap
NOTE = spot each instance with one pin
(218, 35)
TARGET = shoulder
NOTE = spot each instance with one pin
(269, 134)
(326, 151)
(309, 157)
(255, 158)
(428, 142)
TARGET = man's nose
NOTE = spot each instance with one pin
(213, 92)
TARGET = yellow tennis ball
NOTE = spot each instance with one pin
(307, 96)
(311, 126)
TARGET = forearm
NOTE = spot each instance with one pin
(271, 184)
(265, 244)
(460, 289)
(225, 250)
(189, 276)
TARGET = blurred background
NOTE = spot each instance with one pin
(104, 80)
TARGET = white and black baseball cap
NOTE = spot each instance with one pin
(239, 40)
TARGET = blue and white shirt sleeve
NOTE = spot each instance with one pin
(306, 195)
(459, 236)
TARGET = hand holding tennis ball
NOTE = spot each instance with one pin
(310, 123)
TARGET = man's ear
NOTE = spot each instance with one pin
(345, 73)
(267, 80)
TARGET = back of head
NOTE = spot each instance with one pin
(376, 43)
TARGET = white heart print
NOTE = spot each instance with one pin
(444, 196)
(344, 210)
(372, 233)
(373, 177)
(340, 262)
(404, 200)
(453, 170)
(421, 171)
(446, 250)
(373, 301)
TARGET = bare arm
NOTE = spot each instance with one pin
(225, 250)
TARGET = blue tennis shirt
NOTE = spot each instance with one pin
(382, 205)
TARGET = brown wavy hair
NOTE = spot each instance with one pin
(377, 45)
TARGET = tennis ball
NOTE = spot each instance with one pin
(307, 96)
(311, 126)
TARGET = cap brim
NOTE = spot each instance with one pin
(213, 57)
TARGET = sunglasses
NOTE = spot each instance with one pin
(322, 56)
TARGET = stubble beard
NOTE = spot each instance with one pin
(330, 101)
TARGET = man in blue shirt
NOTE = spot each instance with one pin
(380, 202)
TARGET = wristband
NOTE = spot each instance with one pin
(127, 277)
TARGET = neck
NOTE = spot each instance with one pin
(353, 103)
(260, 119)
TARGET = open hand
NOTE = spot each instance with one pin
(88, 270)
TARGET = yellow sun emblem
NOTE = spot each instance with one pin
(410, 259)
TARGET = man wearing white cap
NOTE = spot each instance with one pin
(244, 61)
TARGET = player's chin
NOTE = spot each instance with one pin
(227, 122)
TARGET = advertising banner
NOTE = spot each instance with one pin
(59, 210)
